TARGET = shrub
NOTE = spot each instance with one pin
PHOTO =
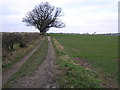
(9, 40)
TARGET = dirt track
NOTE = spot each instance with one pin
(44, 77)
(6, 75)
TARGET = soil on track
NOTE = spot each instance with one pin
(44, 76)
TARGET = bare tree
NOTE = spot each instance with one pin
(43, 17)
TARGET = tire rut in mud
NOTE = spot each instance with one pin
(44, 76)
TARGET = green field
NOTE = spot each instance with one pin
(100, 50)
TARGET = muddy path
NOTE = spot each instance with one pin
(15, 67)
(44, 76)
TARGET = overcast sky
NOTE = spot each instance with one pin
(80, 16)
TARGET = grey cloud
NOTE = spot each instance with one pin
(13, 9)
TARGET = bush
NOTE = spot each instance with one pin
(9, 40)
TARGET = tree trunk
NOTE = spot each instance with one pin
(40, 32)
(43, 33)
(11, 47)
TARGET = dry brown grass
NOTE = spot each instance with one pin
(18, 54)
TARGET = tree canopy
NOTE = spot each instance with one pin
(43, 17)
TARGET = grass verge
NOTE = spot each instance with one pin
(30, 65)
(73, 75)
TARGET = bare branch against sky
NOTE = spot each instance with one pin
(80, 16)
(43, 17)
